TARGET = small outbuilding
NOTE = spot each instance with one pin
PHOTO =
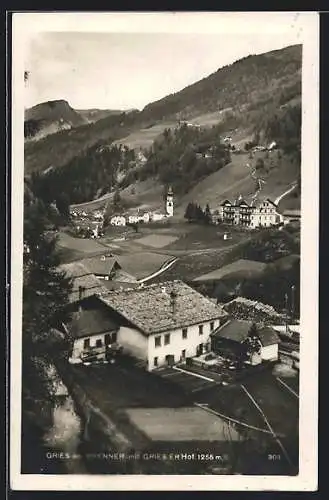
(238, 338)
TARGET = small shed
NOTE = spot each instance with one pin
(233, 339)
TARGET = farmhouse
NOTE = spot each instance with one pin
(96, 275)
(84, 282)
(93, 334)
(102, 266)
(162, 324)
(236, 337)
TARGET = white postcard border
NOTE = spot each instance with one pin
(307, 26)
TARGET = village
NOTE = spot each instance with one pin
(161, 261)
(129, 321)
(256, 214)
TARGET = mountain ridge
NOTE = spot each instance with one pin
(256, 99)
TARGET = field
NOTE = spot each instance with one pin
(180, 424)
(70, 248)
(157, 240)
(239, 267)
(142, 264)
(279, 405)
(133, 398)
(137, 262)
(191, 265)
(144, 137)
(244, 401)
(290, 202)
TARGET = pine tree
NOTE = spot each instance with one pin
(45, 289)
(117, 200)
(189, 212)
(207, 214)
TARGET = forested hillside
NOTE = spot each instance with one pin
(252, 81)
(244, 94)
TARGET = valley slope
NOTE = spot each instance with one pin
(256, 98)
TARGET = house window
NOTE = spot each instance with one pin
(110, 338)
(167, 339)
(212, 326)
(99, 343)
(184, 333)
(200, 329)
(155, 361)
(86, 343)
(157, 341)
(183, 356)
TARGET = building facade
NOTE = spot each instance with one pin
(163, 324)
(263, 214)
(93, 335)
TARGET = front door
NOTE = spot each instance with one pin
(170, 359)
(199, 350)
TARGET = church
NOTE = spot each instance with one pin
(170, 202)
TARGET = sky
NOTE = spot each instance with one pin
(129, 70)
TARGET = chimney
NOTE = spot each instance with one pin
(173, 301)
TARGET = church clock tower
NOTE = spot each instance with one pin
(170, 202)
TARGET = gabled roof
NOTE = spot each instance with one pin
(271, 202)
(150, 309)
(242, 203)
(268, 336)
(101, 264)
(89, 322)
(82, 278)
(226, 203)
(238, 331)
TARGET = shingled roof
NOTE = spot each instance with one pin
(89, 322)
(238, 331)
(150, 308)
(101, 264)
(83, 279)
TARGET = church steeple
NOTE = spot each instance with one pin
(170, 202)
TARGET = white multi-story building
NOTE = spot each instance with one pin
(264, 215)
(160, 324)
(253, 215)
